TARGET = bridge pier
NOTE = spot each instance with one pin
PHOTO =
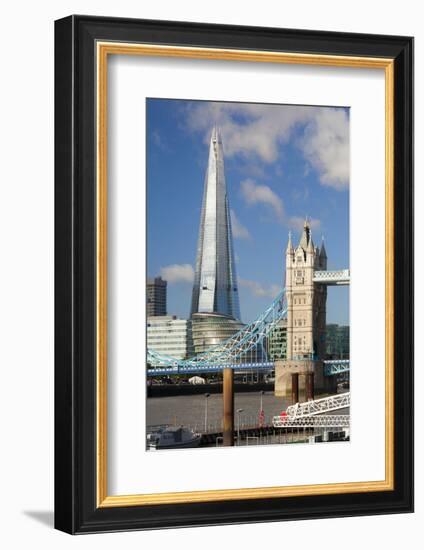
(228, 399)
(309, 386)
(331, 384)
(295, 387)
(309, 381)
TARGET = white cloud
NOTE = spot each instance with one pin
(257, 132)
(178, 273)
(262, 128)
(239, 230)
(326, 146)
(262, 194)
(259, 290)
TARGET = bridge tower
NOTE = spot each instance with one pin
(306, 301)
(306, 319)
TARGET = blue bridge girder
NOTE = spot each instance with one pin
(336, 366)
(193, 369)
(234, 349)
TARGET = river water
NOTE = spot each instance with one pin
(193, 410)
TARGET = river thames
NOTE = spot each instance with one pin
(198, 411)
(204, 415)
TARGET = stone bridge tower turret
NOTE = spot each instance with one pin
(306, 317)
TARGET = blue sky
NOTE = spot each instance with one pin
(282, 163)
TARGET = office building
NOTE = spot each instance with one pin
(170, 336)
(277, 342)
(156, 297)
(337, 341)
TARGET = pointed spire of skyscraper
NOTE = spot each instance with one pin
(214, 134)
(215, 281)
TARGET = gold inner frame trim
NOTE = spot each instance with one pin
(104, 49)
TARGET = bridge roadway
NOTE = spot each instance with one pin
(335, 366)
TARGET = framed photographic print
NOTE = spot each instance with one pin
(234, 274)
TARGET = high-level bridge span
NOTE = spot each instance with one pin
(332, 278)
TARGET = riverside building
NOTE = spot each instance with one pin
(170, 336)
(277, 342)
(337, 341)
(156, 297)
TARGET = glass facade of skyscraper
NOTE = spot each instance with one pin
(215, 282)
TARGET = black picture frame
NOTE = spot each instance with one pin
(76, 509)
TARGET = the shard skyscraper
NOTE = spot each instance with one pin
(215, 289)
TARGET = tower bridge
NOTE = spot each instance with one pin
(302, 303)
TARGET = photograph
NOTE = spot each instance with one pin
(247, 274)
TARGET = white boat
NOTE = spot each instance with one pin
(173, 437)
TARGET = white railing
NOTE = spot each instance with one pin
(319, 406)
(324, 421)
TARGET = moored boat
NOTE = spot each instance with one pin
(173, 437)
